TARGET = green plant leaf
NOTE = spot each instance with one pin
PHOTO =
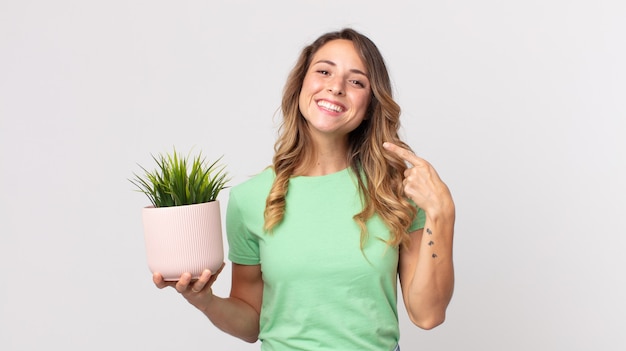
(182, 180)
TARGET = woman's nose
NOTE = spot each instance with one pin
(336, 87)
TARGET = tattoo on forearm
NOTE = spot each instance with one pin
(430, 242)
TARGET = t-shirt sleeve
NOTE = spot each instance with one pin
(419, 222)
(243, 246)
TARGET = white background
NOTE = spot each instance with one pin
(520, 105)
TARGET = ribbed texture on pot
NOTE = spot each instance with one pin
(183, 239)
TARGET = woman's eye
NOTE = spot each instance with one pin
(321, 71)
(358, 83)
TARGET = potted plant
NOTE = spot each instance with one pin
(182, 226)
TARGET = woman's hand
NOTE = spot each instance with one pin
(422, 183)
(197, 291)
(426, 269)
(238, 314)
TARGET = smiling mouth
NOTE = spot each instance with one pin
(329, 106)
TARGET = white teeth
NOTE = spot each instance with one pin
(327, 105)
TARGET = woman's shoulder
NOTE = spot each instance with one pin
(258, 183)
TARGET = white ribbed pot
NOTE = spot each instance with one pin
(183, 239)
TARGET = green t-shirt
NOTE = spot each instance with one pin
(321, 292)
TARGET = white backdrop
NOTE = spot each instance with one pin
(520, 105)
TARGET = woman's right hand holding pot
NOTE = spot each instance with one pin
(197, 292)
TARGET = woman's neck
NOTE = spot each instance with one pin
(327, 158)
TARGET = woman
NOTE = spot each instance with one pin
(317, 240)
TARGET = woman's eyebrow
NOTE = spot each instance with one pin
(353, 70)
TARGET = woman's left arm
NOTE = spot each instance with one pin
(426, 267)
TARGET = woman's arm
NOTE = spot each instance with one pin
(426, 267)
(238, 314)
(426, 273)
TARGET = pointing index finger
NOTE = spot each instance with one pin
(401, 152)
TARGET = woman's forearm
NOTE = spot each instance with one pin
(432, 283)
(234, 316)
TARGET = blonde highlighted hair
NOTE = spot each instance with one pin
(380, 173)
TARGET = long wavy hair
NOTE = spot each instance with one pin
(381, 173)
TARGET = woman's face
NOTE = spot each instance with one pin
(336, 91)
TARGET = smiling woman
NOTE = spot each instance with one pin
(519, 106)
(335, 92)
(319, 238)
